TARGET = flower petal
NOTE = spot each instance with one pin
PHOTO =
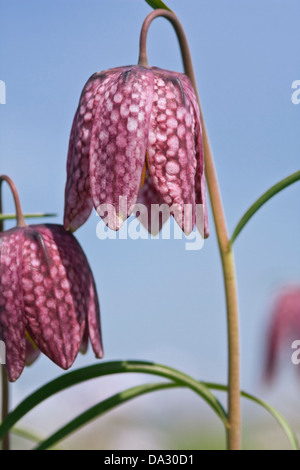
(148, 196)
(171, 150)
(12, 327)
(119, 142)
(200, 182)
(82, 285)
(94, 327)
(54, 295)
(78, 202)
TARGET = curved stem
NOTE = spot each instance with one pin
(20, 218)
(234, 429)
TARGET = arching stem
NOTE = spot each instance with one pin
(20, 218)
(234, 428)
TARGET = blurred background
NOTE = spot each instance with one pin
(160, 302)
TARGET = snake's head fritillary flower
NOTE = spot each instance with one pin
(136, 136)
(284, 328)
(48, 300)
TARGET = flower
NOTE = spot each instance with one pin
(136, 135)
(284, 328)
(48, 299)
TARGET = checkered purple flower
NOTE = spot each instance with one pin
(136, 135)
(48, 300)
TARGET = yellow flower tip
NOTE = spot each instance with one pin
(31, 340)
(143, 176)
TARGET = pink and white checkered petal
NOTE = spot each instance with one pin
(200, 182)
(171, 148)
(78, 202)
(81, 284)
(12, 326)
(119, 142)
(94, 328)
(152, 219)
(74, 268)
(54, 314)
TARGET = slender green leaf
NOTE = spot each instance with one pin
(158, 4)
(292, 438)
(100, 409)
(262, 200)
(138, 391)
(30, 436)
(109, 368)
(27, 216)
(25, 434)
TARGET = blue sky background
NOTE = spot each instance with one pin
(158, 301)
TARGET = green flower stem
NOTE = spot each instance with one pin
(293, 178)
(103, 369)
(26, 216)
(5, 406)
(126, 395)
(234, 427)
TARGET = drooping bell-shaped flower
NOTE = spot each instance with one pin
(136, 137)
(283, 330)
(48, 300)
